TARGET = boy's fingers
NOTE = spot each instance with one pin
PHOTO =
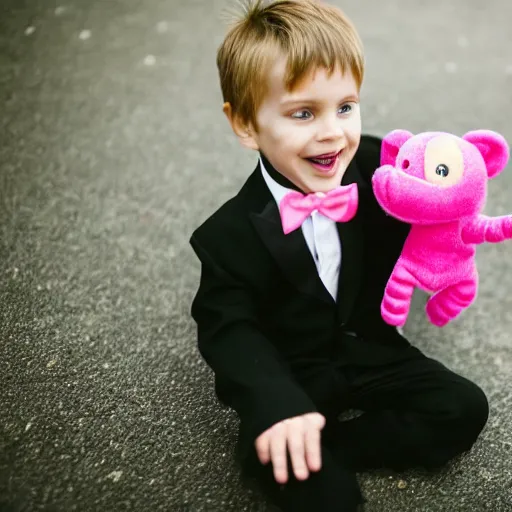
(301, 437)
(316, 419)
(295, 439)
(263, 448)
(278, 453)
(313, 448)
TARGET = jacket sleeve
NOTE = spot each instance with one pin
(250, 375)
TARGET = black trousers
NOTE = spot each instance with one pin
(416, 413)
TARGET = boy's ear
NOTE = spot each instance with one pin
(244, 132)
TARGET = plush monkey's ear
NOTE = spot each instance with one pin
(493, 147)
(391, 145)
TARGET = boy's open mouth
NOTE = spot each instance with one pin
(326, 162)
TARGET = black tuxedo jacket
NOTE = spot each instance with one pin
(267, 326)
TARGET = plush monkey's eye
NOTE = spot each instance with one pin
(444, 148)
(442, 170)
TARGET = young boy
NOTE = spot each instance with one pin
(293, 273)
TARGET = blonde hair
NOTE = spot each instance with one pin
(309, 33)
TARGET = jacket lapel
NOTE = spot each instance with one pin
(290, 252)
(351, 238)
(351, 266)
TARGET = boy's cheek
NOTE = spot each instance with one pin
(354, 125)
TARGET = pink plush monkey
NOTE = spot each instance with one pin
(437, 182)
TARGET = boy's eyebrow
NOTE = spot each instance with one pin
(313, 101)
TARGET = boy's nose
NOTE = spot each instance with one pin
(330, 129)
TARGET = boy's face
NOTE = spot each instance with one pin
(310, 134)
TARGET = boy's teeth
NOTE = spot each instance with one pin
(323, 161)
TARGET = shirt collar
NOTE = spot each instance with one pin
(277, 190)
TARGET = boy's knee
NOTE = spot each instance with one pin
(461, 416)
(472, 405)
(469, 411)
(474, 408)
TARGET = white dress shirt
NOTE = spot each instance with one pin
(321, 235)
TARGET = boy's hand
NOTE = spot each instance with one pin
(301, 436)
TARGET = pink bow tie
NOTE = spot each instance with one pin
(339, 205)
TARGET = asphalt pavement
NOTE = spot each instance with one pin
(113, 148)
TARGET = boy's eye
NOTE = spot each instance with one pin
(302, 114)
(345, 109)
(307, 114)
